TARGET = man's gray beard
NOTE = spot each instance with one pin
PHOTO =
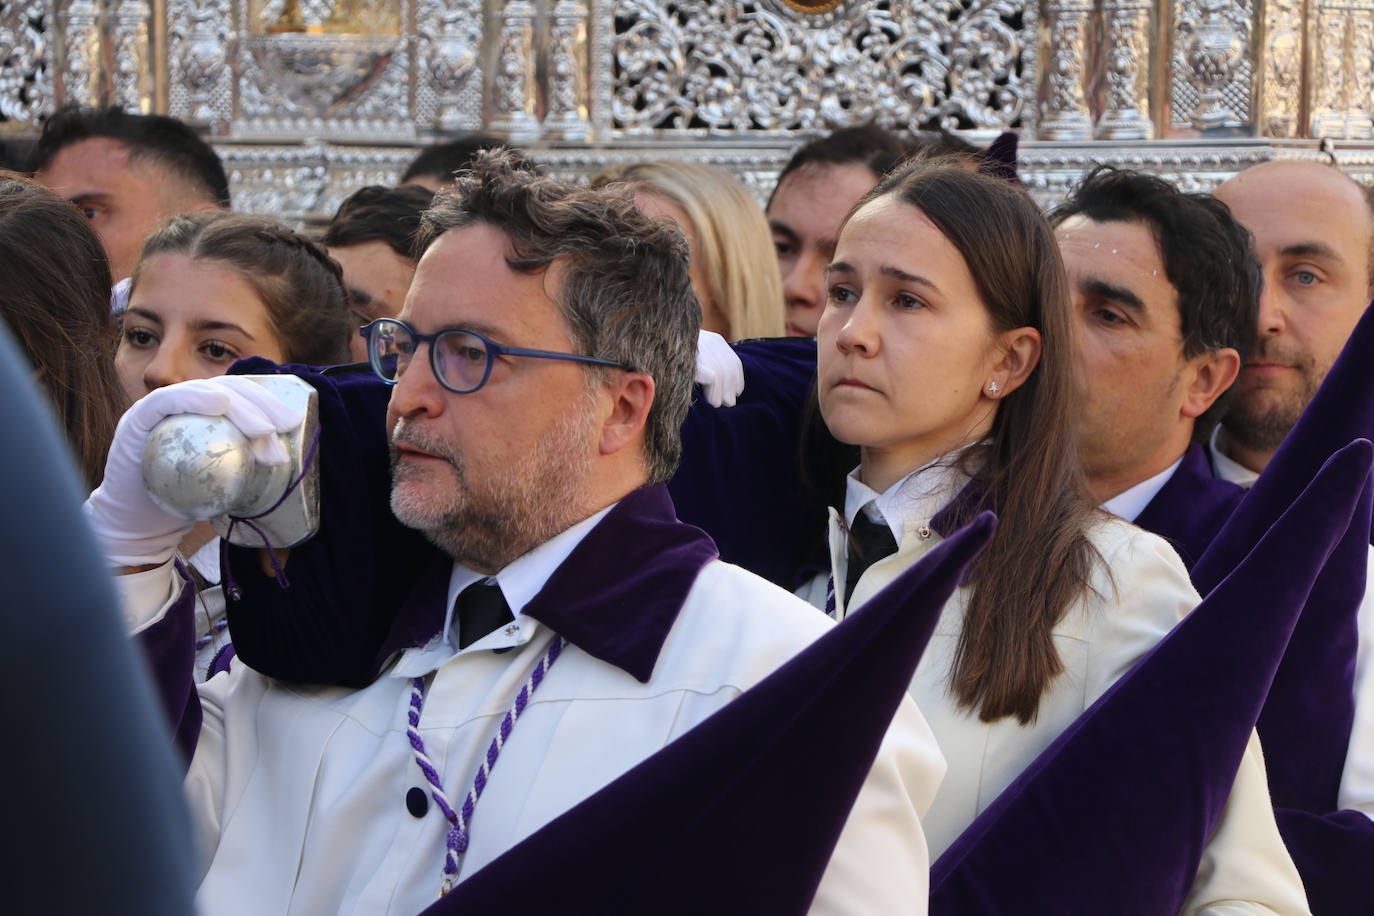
(486, 523)
(1263, 429)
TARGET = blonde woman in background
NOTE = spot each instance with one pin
(734, 266)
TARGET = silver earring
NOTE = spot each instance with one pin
(992, 388)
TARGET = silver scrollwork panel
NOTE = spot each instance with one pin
(691, 67)
(26, 61)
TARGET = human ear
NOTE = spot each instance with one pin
(1020, 353)
(629, 396)
(1208, 377)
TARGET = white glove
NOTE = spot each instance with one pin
(134, 530)
(719, 371)
(119, 297)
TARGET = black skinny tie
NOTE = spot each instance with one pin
(481, 609)
(869, 542)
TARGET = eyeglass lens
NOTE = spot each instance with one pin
(461, 357)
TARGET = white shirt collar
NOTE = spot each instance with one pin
(1130, 503)
(519, 582)
(910, 502)
(1229, 469)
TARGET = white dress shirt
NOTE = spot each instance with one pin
(1128, 504)
(1357, 780)
(299, 792)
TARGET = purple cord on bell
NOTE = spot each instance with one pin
(456, 842)
(231, 588)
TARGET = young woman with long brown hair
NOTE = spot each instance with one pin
(945, 357)
(56, 300)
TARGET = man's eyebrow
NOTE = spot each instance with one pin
(485, 330)
(783, 229)
(89, 197)
(1311, 250)
(359, 297)
(1095, 286)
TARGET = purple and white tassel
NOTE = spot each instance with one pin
(456, 842)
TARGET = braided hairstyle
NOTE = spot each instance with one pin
(301, 286)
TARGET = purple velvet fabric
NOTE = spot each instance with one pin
(1113, 816)
(343, 595)
(343, 615)
(1306, 723)
(1191, 507)
(169, 646)
(619, 592)
(741, 814)
(1335, 854)
(738, 478)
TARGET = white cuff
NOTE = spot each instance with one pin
(145, 597)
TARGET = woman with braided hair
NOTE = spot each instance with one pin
(212, 288)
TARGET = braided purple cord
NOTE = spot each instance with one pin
(215, 629)
(231, 587)
(456, 842)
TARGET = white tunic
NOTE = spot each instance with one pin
(299, 793)
(1246, 867)
(1357, 779)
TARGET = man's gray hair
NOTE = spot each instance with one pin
(626, 294)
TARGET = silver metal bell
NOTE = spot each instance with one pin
(202, 468)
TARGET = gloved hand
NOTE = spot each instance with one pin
(134, 530)
(719, 371)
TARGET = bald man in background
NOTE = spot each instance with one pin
(1313, 229)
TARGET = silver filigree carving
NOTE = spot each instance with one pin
(1341, 42)
(448, 92)
(1213, 51)
(1283, 46)
(81, 46)
(513, 86)
(1125, 63)
(1212, 67)
(199, 36)
(131, 74)
(1064, 108)
(758, 66)
(566, 118)
(26, 78)
(339, 82)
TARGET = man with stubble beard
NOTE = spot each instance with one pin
(567, 628)
(1313, 230)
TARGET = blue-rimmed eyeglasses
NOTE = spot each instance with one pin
(461, 359)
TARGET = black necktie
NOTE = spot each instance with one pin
(481, 608)
(869, 542)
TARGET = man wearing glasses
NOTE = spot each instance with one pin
(541, 368)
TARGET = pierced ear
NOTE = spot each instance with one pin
(631, 396)
(1206, 378)
(1021, 350)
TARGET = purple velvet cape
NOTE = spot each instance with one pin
(1191, 507)
(741, 814)
(737, 481)
(1112, 817)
